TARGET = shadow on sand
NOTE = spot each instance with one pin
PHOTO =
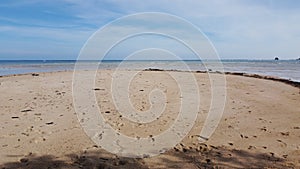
(205, 157)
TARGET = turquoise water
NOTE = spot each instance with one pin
(287, 69)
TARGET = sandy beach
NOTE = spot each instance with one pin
(260, 126)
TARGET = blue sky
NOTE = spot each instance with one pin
(57, 29)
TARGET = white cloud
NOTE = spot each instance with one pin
(249, 26)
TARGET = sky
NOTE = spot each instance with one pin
(238, 29)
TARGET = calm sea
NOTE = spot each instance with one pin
(287, 69)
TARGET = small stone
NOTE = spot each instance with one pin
(25, 134)
(285, 133)
(208, 161)
(97, 89)
(24, 160)
(26, 110)
(251, 147)
(50, 123)
(35, 74)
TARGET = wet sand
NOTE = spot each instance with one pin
(260, 126)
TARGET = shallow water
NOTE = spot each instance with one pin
(288, 69)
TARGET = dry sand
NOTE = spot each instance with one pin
(39, 127)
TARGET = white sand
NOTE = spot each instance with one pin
(39, 127)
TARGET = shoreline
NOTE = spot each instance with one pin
(244, 74)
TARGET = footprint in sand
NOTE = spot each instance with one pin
(283, 144)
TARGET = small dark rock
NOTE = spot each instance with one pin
(35, 74)
(208, 161)
(25, 134)
(285, 133)
(176, 149)
(24, 160)
(97, 89)
(49, 123)
(251, 147)
(26, 110)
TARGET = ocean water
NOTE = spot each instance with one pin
(287, 69)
